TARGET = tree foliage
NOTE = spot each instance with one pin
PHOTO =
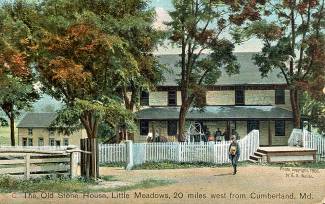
(293, 44)
(315, 110)
(197, 27)
(16, 79)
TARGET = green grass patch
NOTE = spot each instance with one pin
(9, 184)
(5, 136)
(182, 165)
(116, 164)
(149, 183)
(108, 178)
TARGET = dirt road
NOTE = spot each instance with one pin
(252, 184)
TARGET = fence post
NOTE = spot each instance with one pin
(178, 151)
(129, 154)
(74, 164)
(27, 171)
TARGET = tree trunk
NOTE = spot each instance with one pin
(91, 126)
(295, 108)
(8, 108)
(12, 130)
(181, 123)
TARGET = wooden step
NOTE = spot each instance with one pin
(260, 154)
(256, 158)
(261, 151)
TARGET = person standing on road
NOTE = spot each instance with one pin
(234, 152)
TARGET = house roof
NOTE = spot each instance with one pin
(216, 113)
(249, 72)
(37, 120)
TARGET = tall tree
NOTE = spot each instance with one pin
(295, 37)
(81, 60)
(134, 23)
(198, 26)
(16, 80)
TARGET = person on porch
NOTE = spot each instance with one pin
(218, 135)
(226, 134)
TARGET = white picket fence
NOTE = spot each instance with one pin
(112, 153)
(304, 138)
(177, 152)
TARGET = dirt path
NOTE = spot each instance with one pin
(199, 185)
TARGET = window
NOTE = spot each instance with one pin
(172, 98)
(40, 141)
(144, 127)
(66, 142)
(24, 141)
(252, 125)
(51, 142)
(144, 98)
(30, 141)
(57, 143)
(51, 132)
(279, 96)
(30, 131)
(239, 96)
(279, 128)
(172, 127)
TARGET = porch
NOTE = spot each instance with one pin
(284, 154)
(274, 123)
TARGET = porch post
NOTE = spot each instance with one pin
(270, 134)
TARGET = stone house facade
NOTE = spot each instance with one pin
(34, 130)
(239, 103)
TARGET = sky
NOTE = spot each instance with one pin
(163, 6)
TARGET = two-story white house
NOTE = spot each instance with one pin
(243, 102)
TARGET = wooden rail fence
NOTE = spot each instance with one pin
(31, 163)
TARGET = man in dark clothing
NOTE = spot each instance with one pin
(218, 135)
(234, 153)
(226, 135)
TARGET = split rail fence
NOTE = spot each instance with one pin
(32, 162)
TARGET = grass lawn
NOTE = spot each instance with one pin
(183, 165)
(5, 135)
(10, 184)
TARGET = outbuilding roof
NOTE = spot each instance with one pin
(249, 72)
(37, 120)
(216, 113)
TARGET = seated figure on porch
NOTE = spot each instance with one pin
(157, 138)
(226, 135)
(234, 132)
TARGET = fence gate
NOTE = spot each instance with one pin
(89, 165)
